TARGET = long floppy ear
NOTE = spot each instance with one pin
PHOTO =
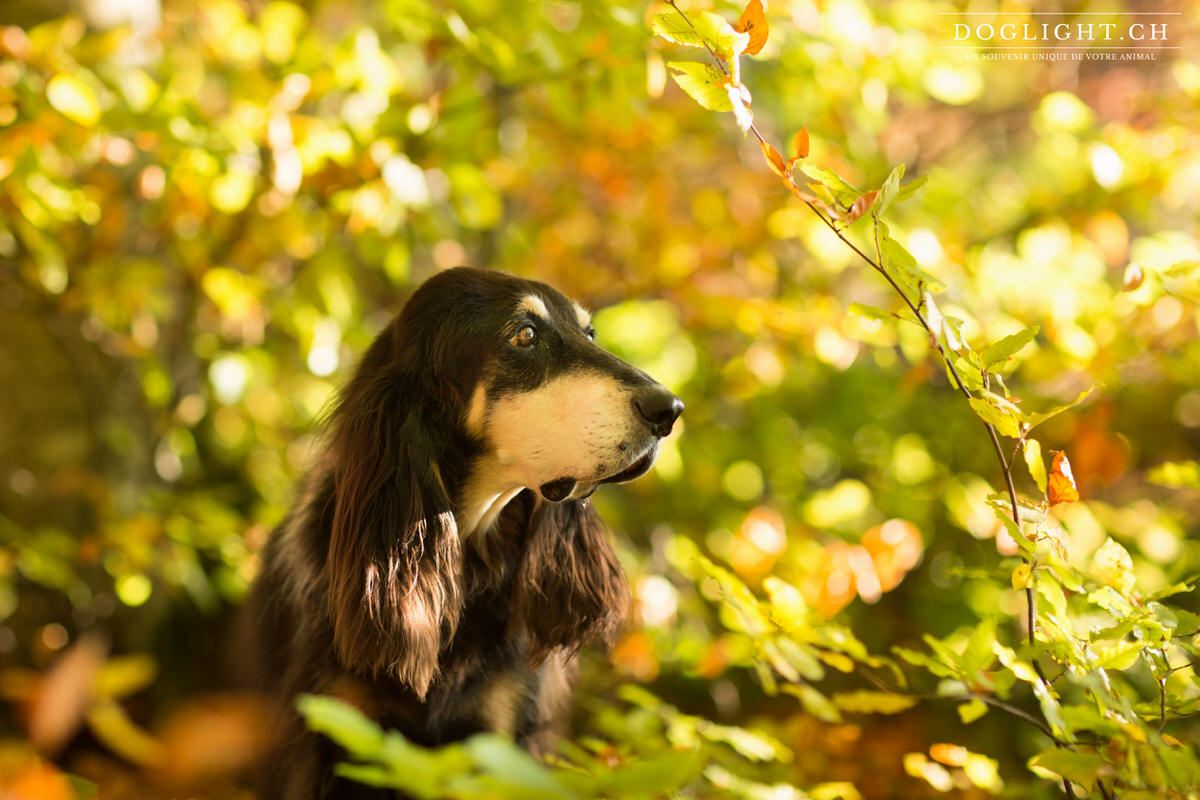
(394, 559)
(569, 587)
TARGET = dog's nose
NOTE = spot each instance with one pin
(659, 408)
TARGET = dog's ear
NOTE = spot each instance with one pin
(569, 588)
(394, 557)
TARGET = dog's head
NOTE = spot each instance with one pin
(553, 411)
(485, 386)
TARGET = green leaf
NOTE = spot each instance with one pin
(1032, 451)
(369, 774)
(866, 702)
(918, 659)
(1121, 655)
(1082, 768)
(814, 702)
(659, 775)
(343, 723)
(705, 28)
(703, 82)
(1001, 419)
(871, 312)
(889, 190)
(971, 711)
(845, 192)
(1033, 420)
(511, 767)
(750, 744)
(911, 189)
(1007, 347)
(1176, 474)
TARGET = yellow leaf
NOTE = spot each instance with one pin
(74, 99)
(125, 675)
(1021, 577)
(1033, 460)
(118, 732)
(1112, 565)
(866, 702)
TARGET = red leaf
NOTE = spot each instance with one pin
(754, 22)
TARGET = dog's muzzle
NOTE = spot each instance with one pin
(658, 408)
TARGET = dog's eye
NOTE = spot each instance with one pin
(526, 337)
(590, 332)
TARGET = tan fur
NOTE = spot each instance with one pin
(500, 703)
(477, 410)
(535, 305)
(573, 426)
(582, 315)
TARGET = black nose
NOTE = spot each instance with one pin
(659, 408)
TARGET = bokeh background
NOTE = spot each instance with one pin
(209, 208)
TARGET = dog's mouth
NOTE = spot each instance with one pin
(637, 469)
(562, 488)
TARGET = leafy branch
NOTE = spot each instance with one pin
(838, 204)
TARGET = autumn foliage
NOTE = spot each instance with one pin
(925, 527)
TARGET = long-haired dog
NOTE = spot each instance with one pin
(444, 564)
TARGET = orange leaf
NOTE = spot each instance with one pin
(775, 160)
(952, 755)
(37, 780)
(754, 22)
(800, 143)
(1061, 485)
(895, 548)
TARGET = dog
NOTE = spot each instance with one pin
(444, 565)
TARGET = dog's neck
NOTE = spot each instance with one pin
(486, 492)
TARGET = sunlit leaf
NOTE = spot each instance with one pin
(889, 190)
(868, 702)
(1134, 277)
(753, 22)
(843, 191)
(703, 82)
(800, 144)
(1032, 453)
(1004, 421)
(73, 98)
(739, 99)
(972, 710)
(774, 159)
(1112, 565)
(343, 723)
(698, 30)
(1082, 768)
(1061, 482)
(1007, 347)
(1033, 420)
(113, 727)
